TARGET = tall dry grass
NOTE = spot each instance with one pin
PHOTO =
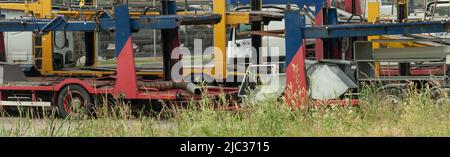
(415, 113)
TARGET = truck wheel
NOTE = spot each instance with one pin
(75, 100)
(392, 93)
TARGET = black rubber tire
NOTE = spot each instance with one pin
(70, 93)
(440, 92)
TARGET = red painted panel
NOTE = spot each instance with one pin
(414, 72)
(296, 90)
(27, 88)
(126, 72)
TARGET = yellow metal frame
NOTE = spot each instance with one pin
(220, 40)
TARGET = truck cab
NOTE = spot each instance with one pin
(437, 10)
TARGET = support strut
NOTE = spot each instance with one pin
(256, 5)
(170, 40)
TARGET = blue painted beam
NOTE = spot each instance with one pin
(143, 22)
(300, 3)
(151, 23)
(308, 2)
(360, 30)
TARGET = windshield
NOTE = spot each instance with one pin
(244, 28)
(441, 10)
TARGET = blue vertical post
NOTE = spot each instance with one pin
(332, 16)
(293, 33)
(170, 40)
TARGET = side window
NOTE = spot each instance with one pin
(243, 28)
